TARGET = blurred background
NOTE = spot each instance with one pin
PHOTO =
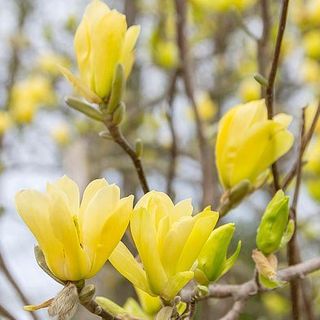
(41, 139)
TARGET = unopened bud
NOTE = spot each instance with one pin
(119, 113)
(273, 224)
(139, 148)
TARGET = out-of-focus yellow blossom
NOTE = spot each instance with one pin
(168, 240)
(49, 63)
(28, 95)
(249, 90)
(163, 46)
(5, 122)
(224, 5)
(76, 239)
(102, 41)
(310, 114)
(165, 53)
(207, 108)
(248, 143)
(276, 304)
(311, 44)
(311, 71)
(61, 134)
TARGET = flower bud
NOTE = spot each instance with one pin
(273, 224)
(212, 261)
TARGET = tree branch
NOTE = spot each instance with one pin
(272, 77)
(124, 144)
(205, 157)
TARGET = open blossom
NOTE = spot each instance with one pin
(168, 239)
(76, 239)
(102, 41)
(248, 143)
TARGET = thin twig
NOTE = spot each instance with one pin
(205, 157)
(293, 245)
(124, 144)
(272, 77)
(7, 273)
(4, 312)
(306, 141)
(94, 308)
(174, 146)
(243, 291)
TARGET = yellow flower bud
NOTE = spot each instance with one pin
(102, 41)
(168, 240)
(76, 239)
(248, 143)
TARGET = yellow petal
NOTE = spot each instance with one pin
(269, 142)
(90, 191)
(127, 56)
(80, 86)
(176, 283)
(174, 243)
(71, 190)
(204, 224)
(181, 209)
(33, 208)
(107, 38)
(65, 230)
(144, 236)
(122, 259)
(98, 211)
(112, 232)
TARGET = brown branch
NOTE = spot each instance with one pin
(124, 144)
(292, 250)
(174, 146)
(94, 308)
(4, 312)
(263, 50)
(205, 157)
(306, 140)
(7, 273)
(24, 7)
(272, 77)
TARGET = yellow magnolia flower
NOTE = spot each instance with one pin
(102, 41)
(168, 240)
(76, 239)
(248, 143)
(5, 122)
